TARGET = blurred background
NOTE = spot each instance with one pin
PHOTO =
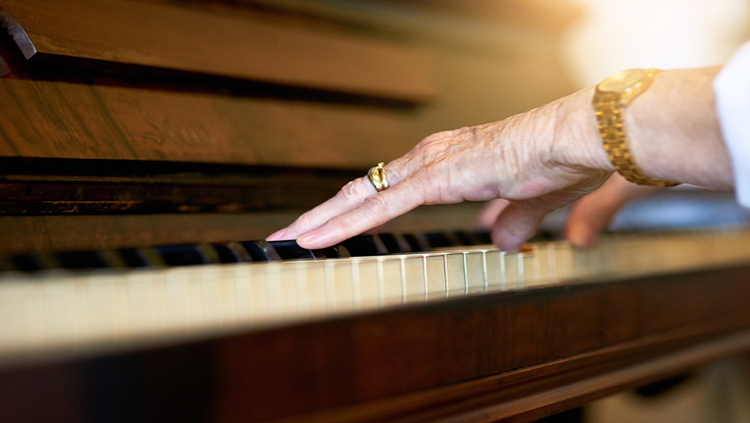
(614, 35)
(610, 36)
(493, 59)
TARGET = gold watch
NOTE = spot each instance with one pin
(612, 96)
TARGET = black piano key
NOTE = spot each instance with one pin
(391, 243)
(439, 240)
(290, 250)
(257, 250)
(543, 235)
(342, 251)
(181, 255)
(26, 263)
(330, 252)
(484, 237)
(413, 242)
(465, 238)
(6, 265)
(226, 254)
(242, 251)
(363, 245)
(82, 260)
(132, 258)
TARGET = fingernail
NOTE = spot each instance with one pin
(276, 236)
(308, 238)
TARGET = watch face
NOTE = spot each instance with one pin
(619, 82)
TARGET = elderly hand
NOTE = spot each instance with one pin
(539, 161)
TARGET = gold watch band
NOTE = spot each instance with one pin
(609, 107)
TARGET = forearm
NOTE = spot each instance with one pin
(672, 128)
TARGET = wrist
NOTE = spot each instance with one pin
(577, 143)
(674, 131)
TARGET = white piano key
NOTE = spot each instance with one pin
(240, 277)
(565, 261)
(543, 266)
(512, 280)
(435, 276)
(521, 269)
(494, 263)
(456, 274)
(45, 311)
(141, 313)
(475, 275)
(317, 288)
(356, 285)
(343, 286)
(301, 292)
(226, 293)
(285, 288)
(553, 274)
(369, 280)
(273, 290)
(59, 310)
(582, 263)
(20, 327)
(394, 280)
(260, 307)
(414, 277)
(207, 291)
(104, 309)
(173, 296)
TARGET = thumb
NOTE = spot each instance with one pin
(588, 218)
(592, 214)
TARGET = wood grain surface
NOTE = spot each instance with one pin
(173, 37)
(67, 120)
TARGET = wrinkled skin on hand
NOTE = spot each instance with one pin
(539, 161)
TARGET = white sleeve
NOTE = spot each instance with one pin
(732, 91)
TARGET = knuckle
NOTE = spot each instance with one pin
(304, 220)
(376, 204)
(349, 191)
(340, 224)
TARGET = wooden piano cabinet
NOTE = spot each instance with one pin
(513, 356)
(238, 95)
(134, 123)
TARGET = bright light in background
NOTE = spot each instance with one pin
(621, 34)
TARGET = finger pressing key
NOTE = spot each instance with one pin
(349, 197)
(374, 211)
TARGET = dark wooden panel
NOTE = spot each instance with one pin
(173, 37)
(74, 186)
(523, 354)
(40, 234)
(43, 234)
(66, 120)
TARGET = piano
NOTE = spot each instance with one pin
(148, 136)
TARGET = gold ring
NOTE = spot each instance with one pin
(376, 175)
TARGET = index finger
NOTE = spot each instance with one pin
(348, 198)
(373, 211)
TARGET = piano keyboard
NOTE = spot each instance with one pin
(62, 313)
(239, 252)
